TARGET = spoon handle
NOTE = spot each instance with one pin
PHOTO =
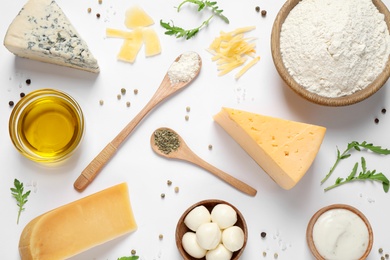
(236, 183)
(97, 164)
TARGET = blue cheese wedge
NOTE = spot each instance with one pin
(41, 31)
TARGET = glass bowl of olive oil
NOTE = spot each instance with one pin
(46, 126)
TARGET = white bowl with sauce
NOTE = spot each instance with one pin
(339, 232)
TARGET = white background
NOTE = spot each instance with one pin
(282, 214)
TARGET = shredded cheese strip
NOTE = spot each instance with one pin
(247, 67)
(231, 50)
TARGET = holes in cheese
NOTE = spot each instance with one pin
(284, 149)
(137, 17)
(78, 226)
(231, 50)
(138, 20)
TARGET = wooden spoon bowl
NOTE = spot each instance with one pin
(181, 227)
(183, 152)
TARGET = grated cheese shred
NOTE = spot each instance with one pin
(231, 50)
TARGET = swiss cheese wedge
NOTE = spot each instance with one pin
(284, 149)
(79, 225)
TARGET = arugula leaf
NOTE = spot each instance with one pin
(189, 33)
(358, 147)
(134, 257)
(128, 258)
(180, 32)
(363, 176)
(202, 4)
(21, 198)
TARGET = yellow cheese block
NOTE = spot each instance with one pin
(152, 42)
(78, 226)
(137, 17)
(284, 149)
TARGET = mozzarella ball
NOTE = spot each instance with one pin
(208, 235)
(224, 215)
(233, 238)
(219, 253)
(191, 246)
(197, 217)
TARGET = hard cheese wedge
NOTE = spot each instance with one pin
(41, 31)
(284, 149)
(78, 226)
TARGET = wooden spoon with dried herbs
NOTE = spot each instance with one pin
(167, 143)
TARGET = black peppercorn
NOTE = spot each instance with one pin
(11, 103)
(383, 111)
(263, 234)
(376, 120)
(263, 13)
(28, 81)
(98, 15)
(22, 94)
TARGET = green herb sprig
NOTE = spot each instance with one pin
(180, 32)
(21, 198)
(363, 175)
(134, 257)
(358, 147)
(203, 4)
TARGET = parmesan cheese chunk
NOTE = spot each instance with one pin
(137, 17)
(284, 149)
(78, 226)
(131, 46)
(151, 41)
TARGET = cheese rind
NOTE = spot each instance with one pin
(284, 149)
(41, 31)
(79, 225)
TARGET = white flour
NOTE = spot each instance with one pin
(185, 68)
(334, 47)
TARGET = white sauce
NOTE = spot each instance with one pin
(340, 234)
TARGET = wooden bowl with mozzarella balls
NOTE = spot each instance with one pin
(192, 244)
(309, 92)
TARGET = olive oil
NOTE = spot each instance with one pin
(47, 127)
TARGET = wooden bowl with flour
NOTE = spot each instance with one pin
(307, 63)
